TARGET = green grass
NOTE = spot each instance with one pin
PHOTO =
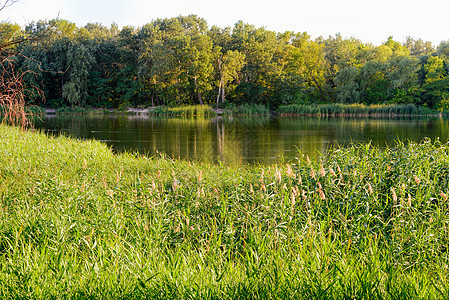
(355, 110)
(78, 222)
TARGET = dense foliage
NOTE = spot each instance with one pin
(78, 222)
(184, 61)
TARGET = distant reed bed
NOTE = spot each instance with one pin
(183, 111)
(337, 109)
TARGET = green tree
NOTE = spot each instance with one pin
(80, 60)
(307, 59)
(348, 90)
(229, 65)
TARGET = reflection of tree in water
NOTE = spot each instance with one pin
(235, 140)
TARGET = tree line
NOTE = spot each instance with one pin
(180, 61)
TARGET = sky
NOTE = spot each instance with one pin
(371, 21)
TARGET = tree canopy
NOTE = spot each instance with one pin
(182, 60)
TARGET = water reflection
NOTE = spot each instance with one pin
(241, 140)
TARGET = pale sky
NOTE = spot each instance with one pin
(371, 21)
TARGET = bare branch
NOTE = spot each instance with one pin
(7, 3)
(12, 84)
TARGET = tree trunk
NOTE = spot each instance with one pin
(223, 94)
(200, 98)
(219, 92)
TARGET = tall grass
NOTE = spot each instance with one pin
(355, 110)
(250, 109)
(77, 221)
(183, 111)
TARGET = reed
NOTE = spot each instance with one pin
(77, 222)
(184, 111)
(337, 109)
(250, 109)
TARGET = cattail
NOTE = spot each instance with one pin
(409, 202)
(308, 160)
(251, 190)
(200, 176)
(443, 195)
(312, 174)
(299, 179)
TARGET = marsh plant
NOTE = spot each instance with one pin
(184, 111)
(337, 109)
(77, 221)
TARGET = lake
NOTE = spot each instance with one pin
(241, 140)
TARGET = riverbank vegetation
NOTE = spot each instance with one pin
(337, 109)
(183, 61)
(78, 221)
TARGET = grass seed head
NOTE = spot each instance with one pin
(322, 171)
(370, 188)
(290, 171)
(394, 196)
(417, 180)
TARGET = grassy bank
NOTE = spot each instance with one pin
(337, 109)
(78, 222)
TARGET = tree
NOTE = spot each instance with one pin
(80, 60)
(229, 65)
(374, 84)
(12, 87)
(307, 59)
(348, 90)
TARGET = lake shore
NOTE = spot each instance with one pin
(78, 221)
(294, 110)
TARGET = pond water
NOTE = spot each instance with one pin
(232, 140)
